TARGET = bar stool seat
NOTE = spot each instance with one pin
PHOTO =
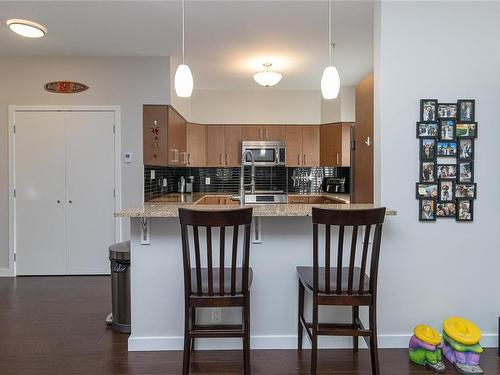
(306, 276)
(216, 280)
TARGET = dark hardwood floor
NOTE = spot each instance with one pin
(55, 325)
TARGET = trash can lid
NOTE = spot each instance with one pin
(120, 251)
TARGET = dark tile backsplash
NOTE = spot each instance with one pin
(228, 179)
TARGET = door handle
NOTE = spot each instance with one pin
(367, 142)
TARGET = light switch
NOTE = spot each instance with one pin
(127, 157)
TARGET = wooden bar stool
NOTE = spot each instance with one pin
(209, 286)
(343, 286)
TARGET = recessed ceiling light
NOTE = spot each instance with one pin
(27, 28)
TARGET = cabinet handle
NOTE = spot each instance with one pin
(227, 159)
(220, 159)
(176, 155)
(189, 158)
(305, 159)
(185, 157)
(261, 137)
(337, 158)
(70, 201)
(267, 135)
(298, 159)
(58, 201)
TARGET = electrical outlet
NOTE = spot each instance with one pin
(217, 315)
(207, 180)
(153, 174)
(164, 182)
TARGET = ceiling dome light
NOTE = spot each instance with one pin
(267, 77)
(27, 28)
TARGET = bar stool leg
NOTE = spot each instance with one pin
(246, 338)
(300, 331)
(187, 343)
(314, 338)
(355, 317)
(193, 323)
(373, 341)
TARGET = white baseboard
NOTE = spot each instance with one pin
(6, 272)
(276, 342)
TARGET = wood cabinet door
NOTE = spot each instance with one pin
(293, 146)
(295, 199)
(176, 138)
(310, 146)
(215, 149)
(345, 146)
(196, 145)
(232, 140)
(252, 133)
(275, 133)
(154, 135)
(327, 145)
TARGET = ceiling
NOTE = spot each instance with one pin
(226, 41)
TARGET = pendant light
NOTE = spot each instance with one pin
(183, 81)
(267, 77)
(330, 80)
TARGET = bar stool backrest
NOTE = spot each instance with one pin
(371, 220)
(206, 221)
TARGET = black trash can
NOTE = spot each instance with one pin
(119, 256)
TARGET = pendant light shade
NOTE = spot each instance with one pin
(267, 77)
(330, 80)
(183, 81)
(330, 83)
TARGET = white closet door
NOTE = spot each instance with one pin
(40, 190)
(90, 182)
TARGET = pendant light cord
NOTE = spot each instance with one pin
(330, 31)
(182, 2)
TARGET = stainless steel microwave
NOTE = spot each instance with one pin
(265, 153)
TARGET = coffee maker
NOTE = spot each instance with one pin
(335, 185)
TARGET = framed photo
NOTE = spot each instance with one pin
(447, 148)
(446, 192)
(465, 171)
(466, 130)
(466, 191)
(447, 110)
(446, 209)
(465, 149)
(465, 210)
(427, 148)
(446, 171)
(427, 210)
(427, 171)
(447, 130)
(428, 109)
(466, 109)
(425, 190)
(427, 129)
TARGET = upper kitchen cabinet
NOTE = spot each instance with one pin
(164, 136)
(155, 118)
(335, 145)
(302, 146)
(223, 146)
(196, 140)
(263, 133)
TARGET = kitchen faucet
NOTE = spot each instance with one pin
(241, 197)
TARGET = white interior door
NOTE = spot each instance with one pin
(40, 194)
(90, 181)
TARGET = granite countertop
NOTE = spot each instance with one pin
(168, 205)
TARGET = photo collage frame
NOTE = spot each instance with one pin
(446, 134)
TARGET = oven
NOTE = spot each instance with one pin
(265, 153)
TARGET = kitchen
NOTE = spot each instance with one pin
(134, 154)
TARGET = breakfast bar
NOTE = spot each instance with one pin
(282, 239)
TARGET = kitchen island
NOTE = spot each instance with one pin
(282, 238)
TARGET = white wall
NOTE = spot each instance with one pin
(128, 82)
(429, 271)
(262, 106)
(341, 109)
